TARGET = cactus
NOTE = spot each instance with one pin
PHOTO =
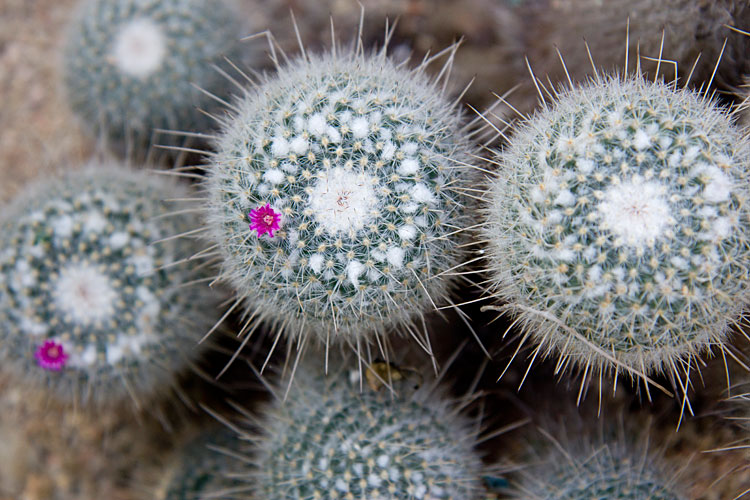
(336, 196)
(617, 226)
(90, 309)
(680, 30)
(329, 440)
(608, 470)
(131, 66)
(205, 467)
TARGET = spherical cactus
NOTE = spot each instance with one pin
(336, 196)
(207, 467)
(691, 34)
(329, 440)
(611, 470)
(92, 306)
(133, 65)
(617, 226)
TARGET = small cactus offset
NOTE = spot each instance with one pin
(336, 196)
(329, 440)
(617, 226)
(206, 468)
(609, 470)
(131, 66)
(92, 307)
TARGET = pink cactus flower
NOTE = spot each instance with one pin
(51, 356)
(264, 220)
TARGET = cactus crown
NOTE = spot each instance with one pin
(618, 224)
(328, 440)
(89, 307)
(335, 195)
(131, 65)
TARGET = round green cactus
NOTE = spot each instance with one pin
(91, 306)
(617, 225)
(336, 196)
(131, 66)
(206, 468)
(609, 471)
(329, 440)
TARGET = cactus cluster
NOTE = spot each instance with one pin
(609, 470)
(339, 198)
(617, 225)
(329, 440)
(92, 308)
(336, 196)
(131, 66)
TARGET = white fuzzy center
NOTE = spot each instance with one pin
(140, 48)
(342, 200)
(635, 211)
(85, 294)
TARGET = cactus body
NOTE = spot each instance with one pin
(618, 225)
(328, 440)
(133, 65)
(610, 471)
(89, 307)
(335, 196)
(203, 469)
(681, 30)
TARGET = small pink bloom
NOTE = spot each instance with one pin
(51, 356)
(264, 220)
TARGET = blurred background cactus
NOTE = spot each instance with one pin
(92, 308)
(575, 463)
(693, 33)
(206, 467)
(132, 66)
(332, 439)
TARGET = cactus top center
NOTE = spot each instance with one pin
(139, 48)
(85, 294)
(636, 211)
(342, 200)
